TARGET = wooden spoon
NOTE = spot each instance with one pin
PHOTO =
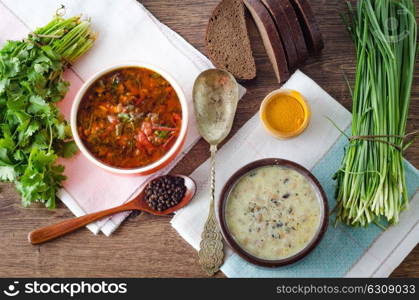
(51, 232)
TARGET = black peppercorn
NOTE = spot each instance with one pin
(165, 192)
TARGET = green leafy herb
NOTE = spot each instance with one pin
(33, 132)
(124, 117)
(161, 134)
(115, 82)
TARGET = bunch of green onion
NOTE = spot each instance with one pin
(371, 184)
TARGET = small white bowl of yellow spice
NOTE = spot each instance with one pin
(285, 113)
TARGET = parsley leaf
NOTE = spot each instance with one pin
(66, 149)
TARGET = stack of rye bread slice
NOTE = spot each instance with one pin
(288, 29)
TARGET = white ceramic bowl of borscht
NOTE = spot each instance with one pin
(130, 118)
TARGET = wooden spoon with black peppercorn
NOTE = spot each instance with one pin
(161, 196)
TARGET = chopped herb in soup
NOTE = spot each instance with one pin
(129, 118)
(273, 212)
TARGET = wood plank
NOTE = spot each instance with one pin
(147, 246)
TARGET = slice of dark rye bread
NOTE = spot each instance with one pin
(227, 40)
(296, 30)
(308, 23)
(280, 18)
(270, 38)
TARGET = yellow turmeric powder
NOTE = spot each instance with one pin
(284, 113)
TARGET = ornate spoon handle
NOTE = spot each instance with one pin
(211, 247)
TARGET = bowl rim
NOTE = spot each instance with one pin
(135, 64)
(324, 219)
(301, 99)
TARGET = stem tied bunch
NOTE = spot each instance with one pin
(371, 183)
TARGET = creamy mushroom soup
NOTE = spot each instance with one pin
(273, 212)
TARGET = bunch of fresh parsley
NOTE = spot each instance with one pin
(33, 132)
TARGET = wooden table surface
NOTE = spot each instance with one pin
(147, 246)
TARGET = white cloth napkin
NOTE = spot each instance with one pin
(126, 32)
(252, 143)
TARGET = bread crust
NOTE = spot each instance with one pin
(281, 21)
(296, 30)
(312, 34)
(270, 37)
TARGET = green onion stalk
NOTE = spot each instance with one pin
(371, 184)
(33, 133)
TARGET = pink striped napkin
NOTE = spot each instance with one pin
(127, 32)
